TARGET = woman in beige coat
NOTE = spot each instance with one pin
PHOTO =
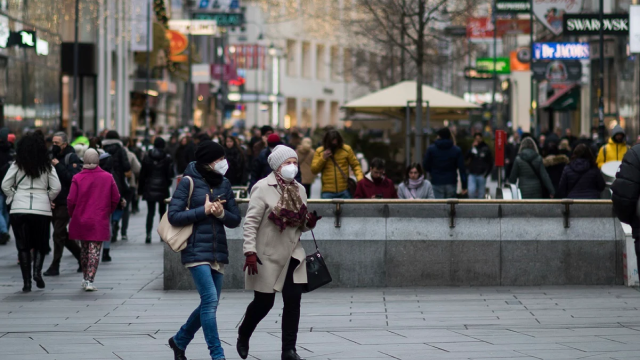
(275, 260)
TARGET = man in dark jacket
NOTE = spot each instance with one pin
(626, 193)
(155, 180)
(67, 164)
(480, 166)
(375, 185)
(260, 168)
(118, 165)
(443, 161)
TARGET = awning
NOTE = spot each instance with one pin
(564, 100)
(393, 100)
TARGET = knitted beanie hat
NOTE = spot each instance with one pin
(279, 155)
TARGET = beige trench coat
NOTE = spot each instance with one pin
(275, 249)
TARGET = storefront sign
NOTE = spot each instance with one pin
(220, 5)
(634, 29)
(201, 73)
(512, 6)
(42, 47)
(23, 38)
(589, 24)
(551, 12)
(473, 73)
(486, 65)
(177, 44)
(556, 51)
(4, 31)
(221, 19)
(481, 29)
(516, 64)
(557, 71)
(195, 27)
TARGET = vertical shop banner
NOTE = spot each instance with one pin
(249, 57)
(634, 28)
(139, 29)
(240, 59)
(551, 12)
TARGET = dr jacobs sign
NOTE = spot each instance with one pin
(560, 51)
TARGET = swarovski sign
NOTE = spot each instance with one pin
(589, 24)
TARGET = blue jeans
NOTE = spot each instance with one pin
(341, 195)
(445, 191)
(477, 186)
(4, 214)
(209, 284)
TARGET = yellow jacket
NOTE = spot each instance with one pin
(332, 179)
(614, 152)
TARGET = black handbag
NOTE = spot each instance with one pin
(317, 271)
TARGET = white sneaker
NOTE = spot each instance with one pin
(90, 287)
(84, 284)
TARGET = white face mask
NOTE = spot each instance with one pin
(289, 172)
(221, 167)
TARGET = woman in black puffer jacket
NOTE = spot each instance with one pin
(581, 179)
(211, 208)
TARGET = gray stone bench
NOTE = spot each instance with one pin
(394, 243)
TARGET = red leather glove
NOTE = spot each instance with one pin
(312, 219)
(251, 262)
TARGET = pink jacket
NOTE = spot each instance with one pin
(92, 199)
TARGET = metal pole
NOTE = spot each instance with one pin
(402, 31)
(469, 67)
(495, 67)
(147, 111)
(531, 89)
(601, 83)
(190, 82)
(428, 123)
(407, 150)
(76, 55)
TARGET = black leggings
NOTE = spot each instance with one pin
(151, 211)
(263, 302)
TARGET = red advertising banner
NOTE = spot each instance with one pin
(482, 28)
(501, 142)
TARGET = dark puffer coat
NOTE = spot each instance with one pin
(69, 164)
(443, 160)
(626, 190)
(208, 242)
(581, 180)
(156, 175)
(235, 159)
(555, 165)
(118, 165)
(524, 174)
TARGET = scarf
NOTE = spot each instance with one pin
(211, 177)
(415, 184)
(290, 210)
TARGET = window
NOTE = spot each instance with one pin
(348, 66)
(320, 64)
(334, 65)
(306, 60)
(292, 70)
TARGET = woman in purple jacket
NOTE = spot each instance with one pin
(581, 179)
(92, 199)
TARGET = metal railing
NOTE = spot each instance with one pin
(566, 203)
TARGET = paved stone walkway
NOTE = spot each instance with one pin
(131, 318)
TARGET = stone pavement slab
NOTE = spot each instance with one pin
(131, 317)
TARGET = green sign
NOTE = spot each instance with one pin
(221, 19)
(485, 65)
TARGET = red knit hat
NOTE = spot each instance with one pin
(274, 140)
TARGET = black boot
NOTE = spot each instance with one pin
(148, 240)
(290, 355)
(114, 231)
(38, 261)
(243, 347)
(105, 255)
(177, 353)
(53, 270)
(24, 258)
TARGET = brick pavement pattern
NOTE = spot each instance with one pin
(131, 317)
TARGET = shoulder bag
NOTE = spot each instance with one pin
(176, 237)
(351, 184)
(317, 271)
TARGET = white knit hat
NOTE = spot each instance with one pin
(279, 155)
